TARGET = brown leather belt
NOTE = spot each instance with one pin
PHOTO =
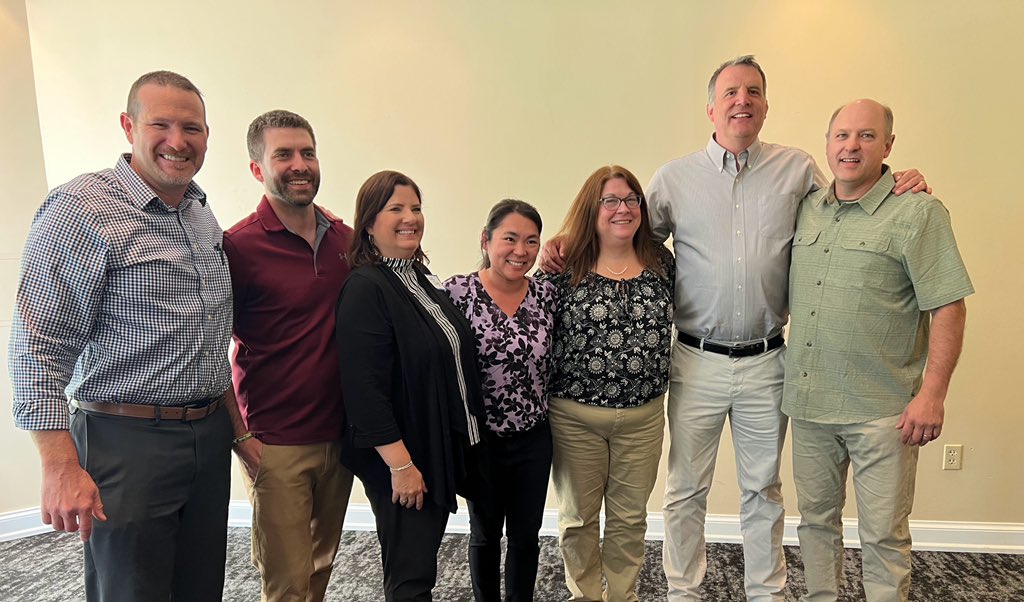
(196, 411)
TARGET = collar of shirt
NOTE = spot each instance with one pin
(271, 223)
(141, 194)
(397, 264)
(870, 201)
(724, 160)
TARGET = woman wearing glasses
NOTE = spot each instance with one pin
(513, 319)
(610, 372)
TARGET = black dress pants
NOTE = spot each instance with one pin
(409, 541)
(520, 465)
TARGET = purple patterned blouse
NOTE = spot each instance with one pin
(513, 351)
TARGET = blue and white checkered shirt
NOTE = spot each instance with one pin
(121, 299)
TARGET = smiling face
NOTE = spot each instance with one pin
(289, 169)
(621, 223)
(739, 107)
(513, 247)
(168, 138)
(858, 142)
(398, 228)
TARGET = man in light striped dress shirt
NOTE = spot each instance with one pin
(730, 209)
(118, 358)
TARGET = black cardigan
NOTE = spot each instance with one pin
(398, 381)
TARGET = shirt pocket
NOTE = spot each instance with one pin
(776, 217)
(804, 242)
(869, 261)
(776, 214)
(806, 238)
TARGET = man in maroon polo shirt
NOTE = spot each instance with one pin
(288, 262)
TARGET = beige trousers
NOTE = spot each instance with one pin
(609, 456)
(299, 500)
(884, 471)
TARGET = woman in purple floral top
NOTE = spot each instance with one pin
(512, 317)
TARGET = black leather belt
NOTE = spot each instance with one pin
(742, 350)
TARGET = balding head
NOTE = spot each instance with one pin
(868, 104)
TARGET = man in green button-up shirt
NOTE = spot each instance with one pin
(876, 296)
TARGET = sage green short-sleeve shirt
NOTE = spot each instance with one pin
(863, 278)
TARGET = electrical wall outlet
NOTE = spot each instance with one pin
(952, 456)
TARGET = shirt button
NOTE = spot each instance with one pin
(818, 283)
(804, 374)
(810, 344)
(739, 259)
(739, 287)
(738, 233)
(837, 220)
(826, 249)
(814, 313)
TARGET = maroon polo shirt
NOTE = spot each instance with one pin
(285, 362)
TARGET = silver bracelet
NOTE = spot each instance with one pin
(400, 468)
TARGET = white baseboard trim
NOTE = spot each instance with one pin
(943, 536)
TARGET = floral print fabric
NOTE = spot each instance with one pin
(613, 339)
(513, 351)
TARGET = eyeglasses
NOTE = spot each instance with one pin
(611, 203)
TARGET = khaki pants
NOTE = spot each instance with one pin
(705, 389)
(604, 455)
(884, 471)
(299, 500)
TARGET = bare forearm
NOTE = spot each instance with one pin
(55, 448)
(944, 346)
(394, 454)
(234, 413)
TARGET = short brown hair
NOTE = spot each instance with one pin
(278, 118)
(160, 78)
(371, 199)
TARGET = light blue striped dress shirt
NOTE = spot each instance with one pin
(731, 232)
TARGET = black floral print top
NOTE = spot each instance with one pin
(513, 351)
(613, 338)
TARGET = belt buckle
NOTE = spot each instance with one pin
(185, 410)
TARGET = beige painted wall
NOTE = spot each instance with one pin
(480, 100)
(23, 181)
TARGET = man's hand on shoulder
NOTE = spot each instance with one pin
(911, 180)
(922, 420)
(71, 499)
(551, 259)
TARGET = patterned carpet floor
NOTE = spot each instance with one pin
(48, 568)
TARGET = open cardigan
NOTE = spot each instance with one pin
(398, 381)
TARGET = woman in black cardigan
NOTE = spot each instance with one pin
(410, 385)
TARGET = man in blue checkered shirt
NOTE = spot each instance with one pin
(118, 358)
